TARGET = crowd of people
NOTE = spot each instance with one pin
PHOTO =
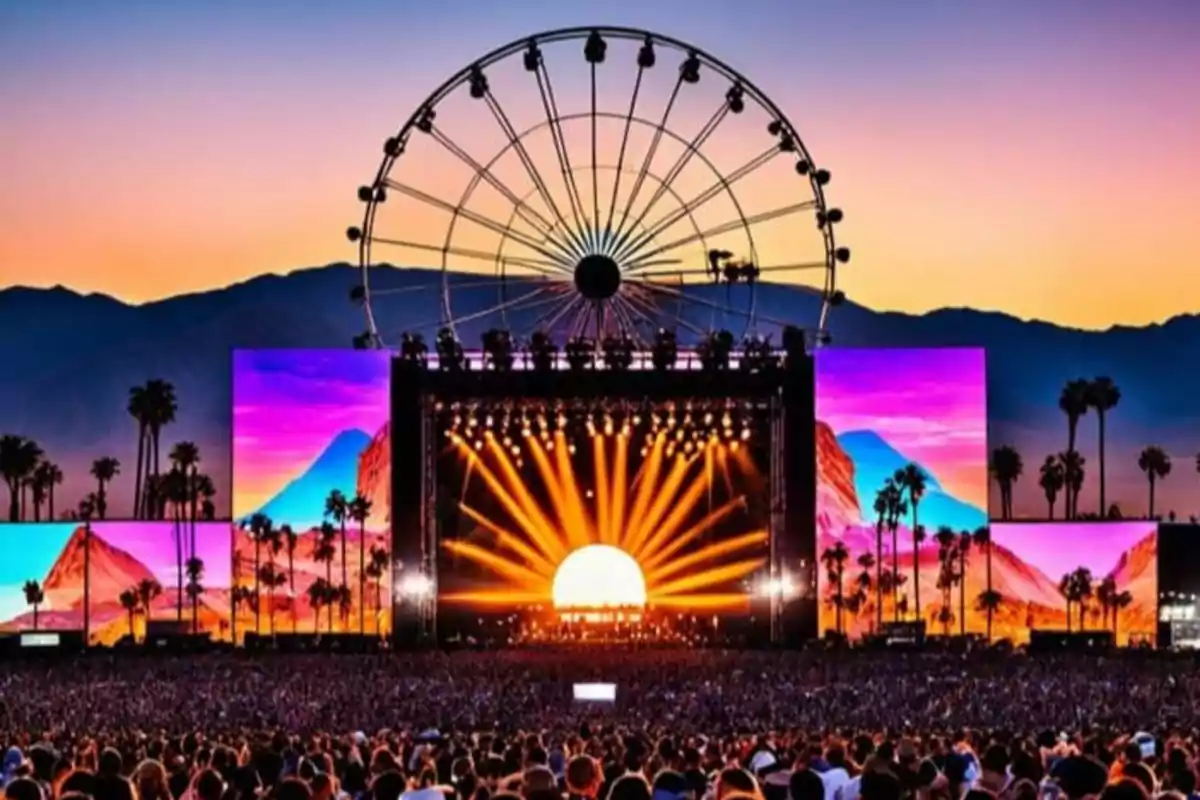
(685, 725)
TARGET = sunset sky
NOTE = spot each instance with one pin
(1037, 158)
(153, 544)
(1059, 548)
(288, 405)
(930, 405)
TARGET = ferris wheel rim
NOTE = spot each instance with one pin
(819, 201)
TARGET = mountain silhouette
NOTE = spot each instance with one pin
(875, 460)
(302, 501)
(72, 358)
(113, 570)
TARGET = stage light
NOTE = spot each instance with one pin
(413, 348)
(618, 352)
(416, 586)
(581, 353)
(781, 586)
(664, 352)
(714, 351)
(543, 352)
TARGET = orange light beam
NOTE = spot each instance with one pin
(512, 541)
(578, 532)
(710, 577)
(528, 504)
(658, 532)
(710, 552)
(703, 602)
(603, 510)
(620, 472)
(723, 465)
(497, 597)
(548, 544)
(654, 560)
(521, 575)
(546, 470)
(641, 498)
(666, 494)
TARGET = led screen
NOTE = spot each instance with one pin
(1106, 572)
(643, 523)
(894, 426)
(41, 576)
(158, 571)
(312, 490)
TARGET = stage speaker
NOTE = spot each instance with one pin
(1053, 641)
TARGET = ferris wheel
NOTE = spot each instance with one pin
(591, 183)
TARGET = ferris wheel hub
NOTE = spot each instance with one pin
(597, 276)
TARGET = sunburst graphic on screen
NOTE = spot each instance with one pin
(625, 543)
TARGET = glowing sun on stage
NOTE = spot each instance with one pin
(637, 537)
(598, 576)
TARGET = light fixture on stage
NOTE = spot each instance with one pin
(450, 352)
(416, 586)
(665, 350)
(794, 344)
(618, 353)
(498, 347)
(413, 348)
(542, 351)
(757, 354)
(780, 586)
(581, 353)
(714, 351)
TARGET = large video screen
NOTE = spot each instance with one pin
(1104, 574)
(158, 572)
(630, 524)
(901, 455)
(312, 491)
(41, 576)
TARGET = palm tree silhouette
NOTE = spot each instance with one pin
(359, 510)
(1155, 462)
(1105, 594)
(337, 508)
(880, 507)
(964, 548)
(1073, 475)
(377, 569)
(173, 491)
(272, 576)
(1052, 477)
(206, 491)
(1073, 401)
(897, 507)
(318, 596)
(289, 539)
(130, 601)
(162, 408)
(257, 527)
(982, 537)
(267, 577)
(34, 596)
(947, 542)
(912, 479)
(147, 590)
(54, 477)
(324, 553)
(863, 583)
(194, 588)
(1006, 468)
(1121, 601)
(241, 596)
(834, 559)
(185, 457)
(19, 458)
(104, 470)
(41, 487)
(1103, 396)
(1066, 587)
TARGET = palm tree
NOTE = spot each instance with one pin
(1073, 475)
(130, 601)
(1073, 401)
(267, 577)
(34, 596)
(147, 590)
(912, 479)
(324, 553)
(1105, 594)
(318, 596)
(964, 548)
(54, 477)
(1067, 588)
(87, 509)
(1084, 590)
(834, 559)
(289, 540)
(1155, 462)
(880, 508)
(162, 408)
(1121, 601)
(359, 510)
(377, 569)
(863, 581)
(139, 409)
(258, 525)
(947, 542)
(1052, 478)
(337, 508)
(982, 537)
(184, 457)
(1006, 467)
(39, 488)
(897, 507)
(206, 490)
(173, 490)
(104, 470)
(19, 458)
(195, 574)
(989, 601)
(1102, 395)
(241, 596)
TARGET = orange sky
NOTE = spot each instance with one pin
(982, 158)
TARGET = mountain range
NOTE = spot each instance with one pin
(301, 502)
(72, 359)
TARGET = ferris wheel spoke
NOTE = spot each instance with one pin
(520, 207)
(689, 149)
(723, 184)
(479, 219)
(515, 140)
(745, 313)
(628, 314)
(646, 162)
(548, 319)
(507, 305)
(726, 227)
(612, 205)
(595, 167)
(438, 286)
(550, 106)
(545, 267)
(635, 301)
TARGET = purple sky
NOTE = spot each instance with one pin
(931, 405)
(1059, 547)
(153, 544)
(289, 404)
